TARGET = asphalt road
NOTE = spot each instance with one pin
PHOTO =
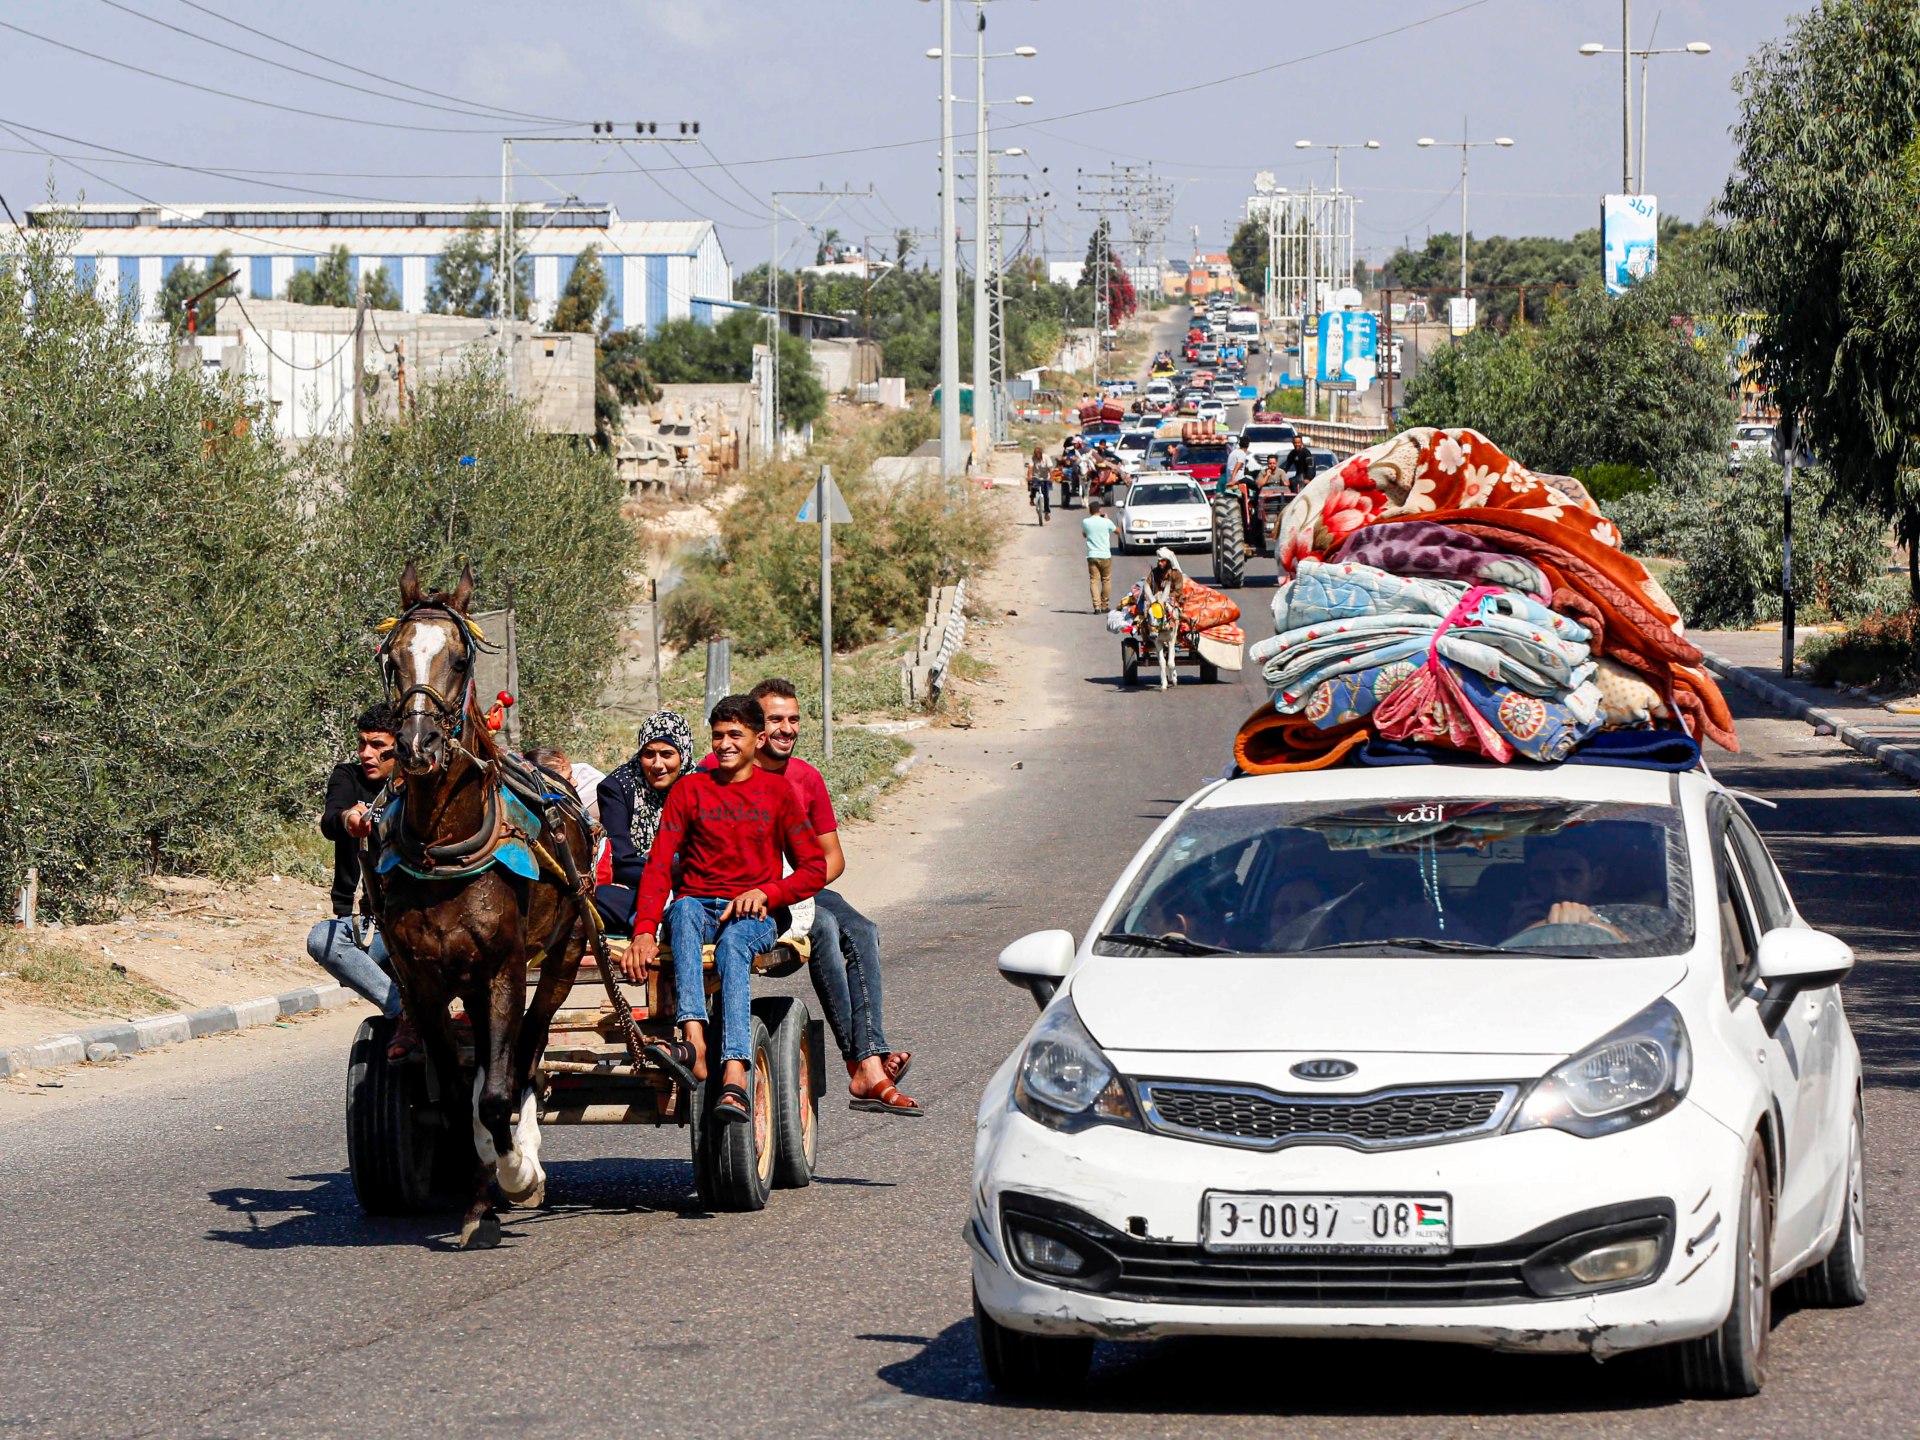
(183, 1254)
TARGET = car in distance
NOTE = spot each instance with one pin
(1261, 439)
(1531, 1058)
(1168, 510)
(1750, 442)
(1211, 410)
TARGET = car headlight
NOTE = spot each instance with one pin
(1066, 1082)
(1626, 1078)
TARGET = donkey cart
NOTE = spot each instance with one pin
(1207, 655)
(402, 1148)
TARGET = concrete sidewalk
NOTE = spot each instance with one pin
(1750, 660)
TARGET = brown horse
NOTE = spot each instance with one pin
(458, 926)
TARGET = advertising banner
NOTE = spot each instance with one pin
(1629, 239)
(1349, 342)
(1461, 314)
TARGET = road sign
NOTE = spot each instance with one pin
(837, 512)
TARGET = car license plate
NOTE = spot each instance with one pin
(1326, 1224)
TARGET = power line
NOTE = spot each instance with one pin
(740, 184)
(357, 70)
(756, 217)
(244, 99)
(294, 69)
(254, 326)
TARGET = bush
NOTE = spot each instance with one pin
(1731, 543)
(1610, 482)
(760, 585)
(1654, 521)
(1881, 652)
(169, 659)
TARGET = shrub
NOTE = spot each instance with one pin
(1731, 543)
(1653, 521)
(1882, 651)
(169, 664)
(1608, 482)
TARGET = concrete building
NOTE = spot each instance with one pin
(656, 269)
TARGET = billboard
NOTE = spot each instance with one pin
(1629, 244)
(1462, 314)
(1349, 340)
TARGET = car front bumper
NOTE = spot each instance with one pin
(1144, 1192)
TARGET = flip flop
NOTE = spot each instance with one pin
(732, 1104)
(676, 1057)
(887, 1100)
(405, 1044)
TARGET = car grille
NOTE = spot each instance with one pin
(1263, 1119)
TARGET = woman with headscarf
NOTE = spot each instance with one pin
(631, 799)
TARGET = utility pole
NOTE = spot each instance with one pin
(773, 291)
(949, 260)
(359, 359)
(982, 225)
(1626, 97)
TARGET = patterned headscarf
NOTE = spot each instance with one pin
(644, 803)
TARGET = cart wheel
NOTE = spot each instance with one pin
(733, 1163)
(1129, 662)
(1209, 673)
(391, 1134)
(796, 1104)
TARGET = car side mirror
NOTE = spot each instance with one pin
(1792, 961)
(1038, 962)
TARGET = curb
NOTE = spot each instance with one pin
(106, 1042)
(1899, 759)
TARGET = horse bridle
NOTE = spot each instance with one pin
(448, 715)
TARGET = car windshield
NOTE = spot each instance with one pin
(1266, 434)
(1162, 493)
(1135, 442)
(1536, 876)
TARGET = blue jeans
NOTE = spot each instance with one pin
(846, 975)
(332, 945)
(692, 922)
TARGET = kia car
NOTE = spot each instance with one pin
(1533, 1058)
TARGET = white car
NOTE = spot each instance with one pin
(1211, 409)
(1168, 510)
(1537, 1059)
(1750, 442)
(1262, 439)
(1131, 448)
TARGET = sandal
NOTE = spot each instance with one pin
(732, 1104)
(676, 1057)
(897, 1064)
(887, 1100)
(405, 1044)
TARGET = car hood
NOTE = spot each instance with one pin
(1186, 513)
(1495, 1004)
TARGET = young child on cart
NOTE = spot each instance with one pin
(729, 828)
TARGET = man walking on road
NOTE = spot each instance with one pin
(1099, 532)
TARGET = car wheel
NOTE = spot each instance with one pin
(1731, 1363)
(1841, 1279)
(1036, 1366)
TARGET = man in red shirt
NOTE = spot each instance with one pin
(729, 828)
(845, 968)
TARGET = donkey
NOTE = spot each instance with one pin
(470, 933)
(1160, 617)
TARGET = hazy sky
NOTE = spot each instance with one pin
(838, 92)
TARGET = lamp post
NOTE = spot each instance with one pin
(982, 218)
(949, 286)
(1427, 142)
(1629, 182)
(1347, 267)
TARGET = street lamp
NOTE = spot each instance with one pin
(1626, 52)
(949, 292)
(1336, 149)
(1427, 142)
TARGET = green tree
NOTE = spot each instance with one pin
(183, 284)
(1248, 252)
(584, 297)
(686, 352)
(903, 244)
(330, 282)
(1820, 242)
(466, 478)
(463, 283)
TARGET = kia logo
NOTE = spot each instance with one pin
(1323, 1069)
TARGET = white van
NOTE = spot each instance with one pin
(1243, 328)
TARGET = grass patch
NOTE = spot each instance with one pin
(64, 977)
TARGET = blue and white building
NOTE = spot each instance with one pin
(656, 270)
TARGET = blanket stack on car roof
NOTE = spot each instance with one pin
(1435, 590)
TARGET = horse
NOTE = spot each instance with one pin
(1160, 619)
(459, 920)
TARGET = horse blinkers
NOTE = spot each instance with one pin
(429, 729)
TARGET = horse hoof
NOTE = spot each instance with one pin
(481, 1234)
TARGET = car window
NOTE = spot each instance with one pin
(1770, 899)
(1532, 876)
(1739, 929)
(1165, 495)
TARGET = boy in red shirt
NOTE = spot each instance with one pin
(729, 828)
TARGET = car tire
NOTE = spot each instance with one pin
(1033, 1366)
(792, 1067)
(1731, 1363)
(393, 1132)
(1840, 1280)
(1129, 662)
